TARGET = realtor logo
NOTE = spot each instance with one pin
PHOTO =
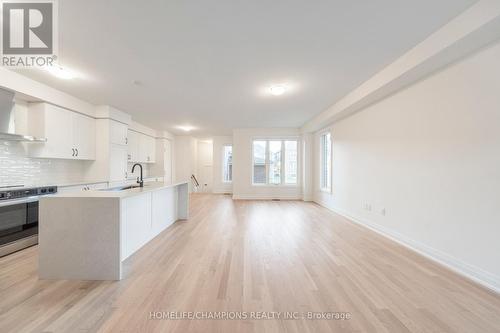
(29, 31)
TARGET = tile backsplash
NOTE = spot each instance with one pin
(16, 168)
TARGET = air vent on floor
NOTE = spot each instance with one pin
(275, 199)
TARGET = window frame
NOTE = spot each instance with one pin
(283, 167)
(224, 181)
(329, 187)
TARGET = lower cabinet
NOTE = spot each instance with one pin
(144, 216)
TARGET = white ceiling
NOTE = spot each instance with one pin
(208, 63)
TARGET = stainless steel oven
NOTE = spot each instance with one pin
(19, 217)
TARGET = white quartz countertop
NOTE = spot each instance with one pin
(109, 193)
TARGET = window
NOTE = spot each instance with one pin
(259, 162)
(227, 164)
(326, 162)
(275, 162)
(290, 162)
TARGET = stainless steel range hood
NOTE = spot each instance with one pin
(7, 128)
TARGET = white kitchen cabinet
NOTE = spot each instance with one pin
(136, 214)
(84, 137)
(69, 135)
(133, 146)
(117, 163)
(141, 148)
(163, 160)
(118, 133)
(147, 149)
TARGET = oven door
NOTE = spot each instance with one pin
(18, 220)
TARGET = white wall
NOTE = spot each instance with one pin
(242, 165)
(186, 153)
(204, 165)
(218, 185)
(430, 156)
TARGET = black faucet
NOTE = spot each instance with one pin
(140, 181)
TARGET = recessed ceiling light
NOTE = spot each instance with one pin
(277, 90)
(186, 128)
(60, 72)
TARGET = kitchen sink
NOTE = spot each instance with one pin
(121, 188)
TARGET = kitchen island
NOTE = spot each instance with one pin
(88, 235)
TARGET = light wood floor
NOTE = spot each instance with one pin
(253, 256)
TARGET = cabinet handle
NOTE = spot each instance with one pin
(129, 157)
(73, 154)
(76, 152)
(126, 175)
(126, 141)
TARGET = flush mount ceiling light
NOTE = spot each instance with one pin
(186, 128)
(60, 72)
(277, 90)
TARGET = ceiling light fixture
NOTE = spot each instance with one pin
(60, 72)
(277, 90)
(186, 128)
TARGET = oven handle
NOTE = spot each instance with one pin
(19, 201)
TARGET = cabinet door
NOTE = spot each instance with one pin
(151, 149)
(143, 151)
(54, 124)
(133, 146)
(118, 133)
(117, 162)
(147, 148)
(84, 137)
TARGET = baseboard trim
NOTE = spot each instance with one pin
(265, 197)
(478, 275)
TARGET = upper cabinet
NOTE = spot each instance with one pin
(69, 135)
(147, 149)
(83, 137)
(118, 133)
(133, 146)
(141, 148)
